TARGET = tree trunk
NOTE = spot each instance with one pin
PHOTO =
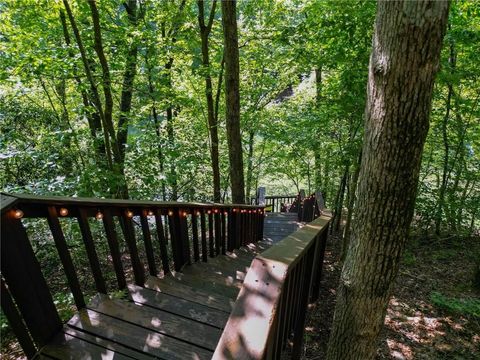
(251, 138)
(127, 85)
(337, 215)
(212, 122)
(446, 158)
(93, 87)
(404, 61)
(232, 97)
(106, 81)
(351, 198)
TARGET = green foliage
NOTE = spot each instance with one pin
(465, 307)
(409, 258)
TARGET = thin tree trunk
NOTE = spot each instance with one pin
(405, 58)
(251, 138)
(212, 123)
(156, 121)
(446, 146)
(93, 86)
(337, 215)
(93, 118)
(232, 97)
(351, 198)
(128, 79)
(106, 83)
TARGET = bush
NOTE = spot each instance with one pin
(466, 307)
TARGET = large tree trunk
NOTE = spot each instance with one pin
(405, 56)
(212, 122)
(232, 97)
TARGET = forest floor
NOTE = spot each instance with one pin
(434, 312)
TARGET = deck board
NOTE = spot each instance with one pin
(176, 305)
(178, 316)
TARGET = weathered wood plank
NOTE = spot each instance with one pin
(67, 347)
(176, 305)
(174, 287)
(118, 348)
(212, 283)
(160, 321)
(136, 337)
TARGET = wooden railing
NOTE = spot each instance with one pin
(270, 310)
(184, 232)
(279, 203)
(307, 207)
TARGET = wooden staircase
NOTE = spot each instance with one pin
(177, 316)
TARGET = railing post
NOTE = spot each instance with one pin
(25, 281)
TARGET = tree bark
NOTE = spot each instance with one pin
(337, 215)
(212, 122)
(232, 98)
(127, 85)
(93, 87)
(446, 146)
(351, 198)
(405, 57)
(251, 138)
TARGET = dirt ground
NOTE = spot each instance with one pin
(416, 326)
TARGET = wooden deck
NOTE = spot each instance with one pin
(179, 316)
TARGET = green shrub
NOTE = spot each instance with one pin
(466, 307)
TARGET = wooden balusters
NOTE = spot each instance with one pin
(203, 232)
(175, 237)
(112, 240)
(129, 232)
(148, 243)
(218, 236)
(185, 244)
(223, 217)
(211, 240)
(196, 251)
(65, 257)
(91, 252)
(162, 241)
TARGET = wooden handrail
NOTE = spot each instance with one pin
(34, 317)
(272, 303)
